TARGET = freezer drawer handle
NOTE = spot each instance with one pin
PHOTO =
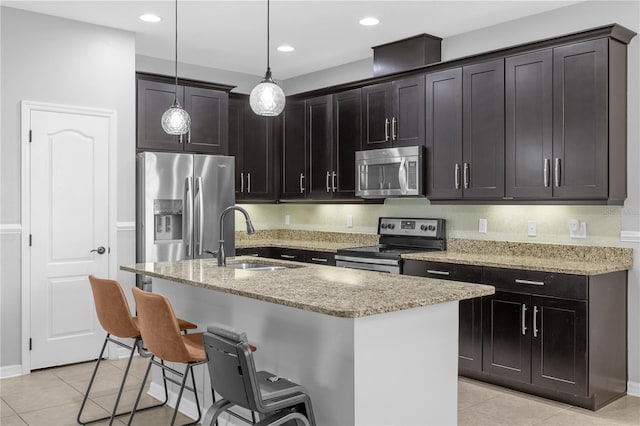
(433, 271)
(528, 282)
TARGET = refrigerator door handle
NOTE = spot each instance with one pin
(200, 215)
(187, 213)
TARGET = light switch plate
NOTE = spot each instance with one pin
(532, 228)
(287, 219)
(349, 221)
(482, 226)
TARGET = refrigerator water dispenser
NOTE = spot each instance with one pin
(167, 220)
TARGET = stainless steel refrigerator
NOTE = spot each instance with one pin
(179, 198)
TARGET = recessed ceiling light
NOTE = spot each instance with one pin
(150, 17)
(285, 48)
(369, 21)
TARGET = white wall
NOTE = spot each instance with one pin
(243, 82)
(55, 60)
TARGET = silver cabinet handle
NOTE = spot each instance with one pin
(394, 129)
(242, 182)
(456, 176)
(528, 282)
(386, 129)
(334, 175)
(287, 256)
(557, 171)
(180, 139)
(546, 172)
(189, 137)
(465, 172)
(248, 182)
(524, 312)
(535, 321)
(328, 175)
(318, 259)
(433, 271)
(301, 184)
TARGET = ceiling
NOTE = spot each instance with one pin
(231, 35)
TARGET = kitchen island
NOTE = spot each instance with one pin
(370, 348)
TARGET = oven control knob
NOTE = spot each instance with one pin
(423, 227)
(431, 228)
(383, 226)
(391, 226)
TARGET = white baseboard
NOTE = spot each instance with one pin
(10, 371)
(633, 388)
(188, 408)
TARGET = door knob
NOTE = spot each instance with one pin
(100, 250)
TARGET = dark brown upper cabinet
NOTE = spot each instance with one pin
(294, 152)
(251, 142)
(528, 125)
(444, 134)
(347, 139)
(208, 108)
(393, 113)
(319, 122)
(483, 130)
(589, 149)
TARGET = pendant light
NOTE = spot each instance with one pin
(175, 120)
(267, 98)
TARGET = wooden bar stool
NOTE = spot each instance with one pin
(116, 319)
(162, 338)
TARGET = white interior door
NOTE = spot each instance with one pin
(69, 216)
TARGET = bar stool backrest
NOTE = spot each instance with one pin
(112, 308)
(231, 367)
(159, 327)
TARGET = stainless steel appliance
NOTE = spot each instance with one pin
(390, 172)
(397, 236)
(179, 199)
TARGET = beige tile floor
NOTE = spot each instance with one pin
(52, 397)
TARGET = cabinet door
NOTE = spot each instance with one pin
(506, 338)
(319, 140)
(580, 118)
(347, 139)
(209, 123)
(444, 134)
(559, 349)
(528, 126)
(407, 121)
(294, 153)
(236, 141)
(376, 116)
(257, 157)
(483, 130)
(154, 98)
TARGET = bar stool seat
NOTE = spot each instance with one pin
(115, 318)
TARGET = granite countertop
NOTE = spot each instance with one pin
(340, 292)
(304, 240)
(557, 258)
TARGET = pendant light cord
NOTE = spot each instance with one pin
(176, 61)
(268, 67)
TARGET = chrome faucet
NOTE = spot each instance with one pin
(222, 259)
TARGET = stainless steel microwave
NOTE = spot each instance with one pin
(390, 172)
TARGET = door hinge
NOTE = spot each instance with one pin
(30, 240)
(30, 135)
(30, 344)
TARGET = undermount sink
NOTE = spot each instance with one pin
(256, 266)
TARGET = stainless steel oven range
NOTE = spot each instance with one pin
(397, 236)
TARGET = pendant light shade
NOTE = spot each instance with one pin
(267, 98)
(175, 120)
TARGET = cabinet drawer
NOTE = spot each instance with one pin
(537, 282)
(320, 257)
(286, 254)
(444, 271)
(254, 251)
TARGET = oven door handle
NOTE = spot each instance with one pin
(368, 260)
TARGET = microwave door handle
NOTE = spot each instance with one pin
(403, 176)
(187, 212)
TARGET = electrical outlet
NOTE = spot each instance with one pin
(287, 219)
(577, 229)
(482, 226)
(532, 228)
(349, 221)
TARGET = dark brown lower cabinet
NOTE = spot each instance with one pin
(559, 336)
(296, 255)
